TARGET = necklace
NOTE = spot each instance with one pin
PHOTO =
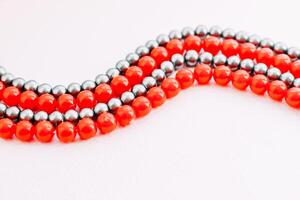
(145, 79)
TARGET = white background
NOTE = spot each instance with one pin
(208, 143)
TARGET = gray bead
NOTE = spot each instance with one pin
(149, 82)
(74, 88)
(88, 85)
(233, 62)
(132, 58)
(287, 78)
(7, 78)
(167, 67)
(59, 90)
(31, 85)
(100, 108)
(127, 97)
(18, 82)
(260, 68)
(26, 115)
(56, 117)
(247, 65)
(12, 112)
(101, 78)
(296, 82)
(215, 31)
(141, 51)
(3, 108)
(191, 58)
(139, 90)
(280, 47)
(112, 72)
(151, 44)
(162, 39)
(86, 113)
(293, 52)
(159, 75)
(123, 65)
(2, 71)
(187, 31)
(44, 88)
(254, 39)
(177, 60)
(201, 30)
(266, 42)
(175, 34)
(228, 33)
(219, 59)
(242, 36)
(114, 104)
(273, 73)
(71, 116)
(40, 116)
(206, 58)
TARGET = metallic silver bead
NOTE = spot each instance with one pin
(233, 62)
(219, 59)
(18, 82)
(273, 73)
(71, 116)
(247, 65)
(100, 108)
(12, 112)
(31, 85)
(127, 97)
(296, 82)
(266, 42)
(59, 90)
(293, 52)
(88, 85)
(86, 113)
(260, 68)
(177, 60)
(151, 44)
(74, 88)
(175, 34)
(26, 115)
(132, 58)
(254, 39)
(141, 51)
(206, 58)
(228, 33)
(287, 78)
(149, 82)
(139, 90)
(101, 78)
(215, 31)
(201, 30)
(123, 65)
(3, 108)
(187, 31)
(191, 58)
(242, 36)
(162, 39)
(167, 67)
(114, 104)
(7, 78)
(159, 75)
(112, 72)
(280, 47)
(56, 117)
(40, 116)
(44, 88)
(2, 71)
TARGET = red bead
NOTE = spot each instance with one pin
(2, 87)
(86, 99)
(134, 75)
(247, 50)
(282, 62)
(259, 84)
(66, 102)
(47, 103)
(66, 132)
(106, 122)
(222, 75)
(125, 115)
(147, 64)
(240, 79)
(192, 42)
(7, 128)
(86, 128)
(277, 90)
(171, 87)
(103, 93)
(44, 131)
(174, 46)
(265, 55)
(11, 96)
(156, 96)
(120, 84)
(159, 54)
(295, 69)
(28, 100)
(25, 131)
(212, 44)
(185, 77)
(203, 73)
(142, 106)
(293, 97)
(230, 47)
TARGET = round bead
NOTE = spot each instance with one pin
(47, 103)
(44, 131)
(293, 97)
(2, 71)
(125, 115)
(159, 54)
(139, 90)
(141, 106)
(149, 82)
(114, 104)
(112, 72)
(88, 85)
(282, 62)
(18, 83)
(120, 84)
(287, 78)
(233, 62)
(185, 77)
(175, 34)
(230, 47)
(101, 78)
(266, 43)
(192, 43)
(167, 67)
(202, 73)
(28, 100)
(174, 46)
(103, 93)
(151, 44)
(11, 96)
(265, 55)
(66, 132)
(123, 65)
(132, 58)
(191, 58)
(215, 31)
(177, 60)
(159, 75)
(293, 52)
(156, 96)
(106, 123)
(59, 90)
(162, 39)
(295, 68)
(277, 90)
(241, 36)
(296, 82)
(86, 128)
(26, 115)
(201, 30)
(74, 88)
(222, 75)
(56, 117)
(134, 75)
(171, 87)
(259, 84)
(147, 64)
(7, 128)
(25, 131)
(71, 116)
(260, 68)
(240, 79)
(212, 45)
(44, 89)
(141, 51)
(7, 78)
(247, 65)
(66, 102)
(273, 73)
(187, 31)
(12, 112)
(247, 50)
(228, 33)
(219, 59)
(127, 97)
(2, 87)
(86, 99)
(206, 58)
(86, 113)
(31, 85)
(280, 47)
(254, 39)
(40, 116)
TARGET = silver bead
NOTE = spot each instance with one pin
(123, 65)
(219, 59)
(88, 85)
(233, 62)
(2, 71)
(12, 112)
(31, 85)
(293, 52)
(187, 31)
(101, 78)
(40, 116)
(296, 82)
(114, 104)
(18, 82)
(86, 113)
(149, 82)
(280, 47)
(141, 51)
(175, 34)
(139, 90)
(26, 115)
(191, 58)
(167, 67)
(100, 108)
(127, 97)
(71, 116)
(260, 68)
(254, 39)
(112, 72)
(266, 42)
(56, 117)
(162, 39)
(247, 65)
(241, 36)
(287, 78)
(44, 88)
(3, 108)
(215, 31)
(177, 60)
(201, 30)
(273, 73)
(132, 58)
(59, 90)
(159, 75)
(74, 88)
(151, 44)
(206, 58)
(228, 33)
(7, 78)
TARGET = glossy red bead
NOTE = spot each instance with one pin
(66, 132)
(156, 96)
(203, 73)
(47, 103)
(293, 97)
(2, 87)
(103, 93)
(295, 68)
(11, 96)
(185, 77)
(106, 122)
(25, 131)
(241, 79)
(135, 75)
(259, 84)
(212, 44)
(222, 75)
(265, 55)
(282, 62)
(174, 46)
(193, 42)
(171, 87)
(7, 128)
(277, 90)
(44, 131)
(119, 84)
(28, 100)
(147, 64)
(86, 99)
(125, 115)
(142, 106)
(86, 128)
(159, 54)
(66, 102)
(247, 50)
(230, 47)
